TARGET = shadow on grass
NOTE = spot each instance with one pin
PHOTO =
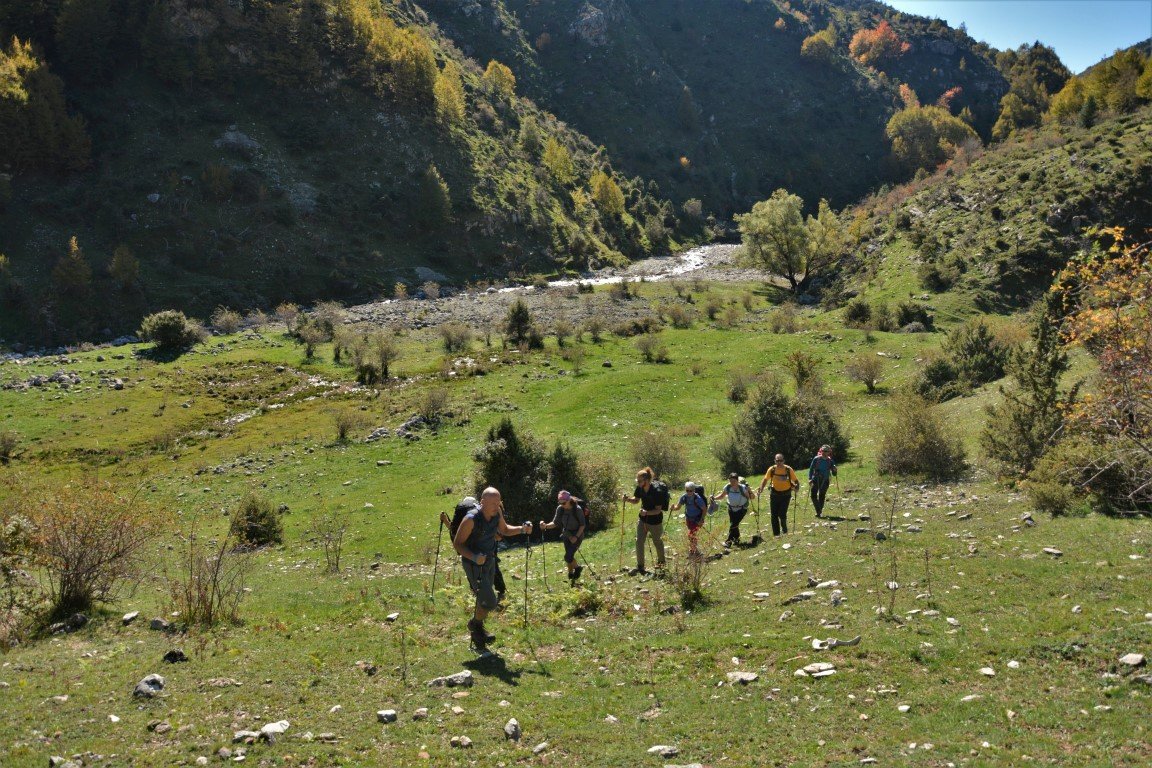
(494, 666)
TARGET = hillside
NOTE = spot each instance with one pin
(243, 157)
(714, 100)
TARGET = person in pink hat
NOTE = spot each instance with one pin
(572, 518)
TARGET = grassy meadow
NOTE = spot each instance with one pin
(603, 672)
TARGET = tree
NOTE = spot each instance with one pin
(125, 268)
(515, 463)
(916, 441)
(1014, 115)
(72, 276)
(558, 160)
(530, 138)
(518, 324)
(866, 369)
(499, 78)
(434, 201)
(776, 236)
(821, 46)
(84, 32)
(449, 93)
(873, 47)
(1068, 102)
(414, 70)
(170, 331)
(975, 353)
(926, 137)
(770, 422)
(606, 194)
(1088, 112)
(1030, 418)
(687, 113)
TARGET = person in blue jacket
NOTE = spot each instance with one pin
(820, 473)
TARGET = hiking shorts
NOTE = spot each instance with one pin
(694, 525)
(481, 579)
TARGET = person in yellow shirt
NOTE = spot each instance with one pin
(783, 480)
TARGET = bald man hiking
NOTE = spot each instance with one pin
(475, 541)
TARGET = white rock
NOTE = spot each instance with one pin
(130, 617)
(391, 617)
(540, 747)
(1052, 551)
(742, 678)
(512, 730)
(664, 750)
(336, 708)
(1132, 660)
(420, 714)
(386, 716)
(1013, 664)
(903, 708)
(277, 728)
(987, 671)
(612, 719)
(735, 570)
(971, 697)
(952, 621)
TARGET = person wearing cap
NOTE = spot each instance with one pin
(738, 494)
(475, 541)
(572, 518)
(784, 481)
(695, 508)
(820, 473)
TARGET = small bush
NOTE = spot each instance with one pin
(595, 328)
(170, 331)
(575, 356)
(329, 529)
(637, 326)
(909, 312)
(937, 380)
(257, 320)
(713, 304)
(805, 370)
(89, 540)
(680, 316)
(18, 589)
(515, 463)
(346, 421)
(857, 313)
(739, 382)
(652, 348)
(975, 352)
(226, 321)
(9, 442)
(288, 314)
(667, 458)
(882, 318)
(730, 317)
(866, 369)
(599, 479)
(784, 319)
(915, 441)
(562, 329)
(311, 335)
(256, 524)
(457, 337)
(433, 404)
(622, 291)
(208, 585)
(430, 289)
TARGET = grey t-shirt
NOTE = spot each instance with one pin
(483, 538)
(570, 520)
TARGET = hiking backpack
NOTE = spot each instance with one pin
(665, 497)
(458, 516)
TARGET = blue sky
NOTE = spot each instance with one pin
(1081, 31)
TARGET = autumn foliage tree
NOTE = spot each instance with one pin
(875, 47)
(925, 137)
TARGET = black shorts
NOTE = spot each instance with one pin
(570, 549)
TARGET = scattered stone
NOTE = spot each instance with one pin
(664, 750)
(1053, 551)
(760, 595)
(1132, 660)
(836, 598)
(175, 656)
(742, 678)
(460, 679)
(1013, 664)
(540, 747)
(367, 668)
(611, 719)
(386, 716)
(903, 709)
(987, 671)
(327, 738)
(951, 621)
(160, 625)
(461, 742)
(271, 730)
(800, 597)
(130, 617)
(823, 645)
(391, 617)
(730, 570)
(512, 730)
(223, 682)
(1102, 708)
(457, 710)
(880, 536)
(816, 669)
(971, 697)
(148, 687)
(244, 737)
(420, 714)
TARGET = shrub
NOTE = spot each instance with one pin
(679, 315)
(915, 441)
(328, 316)
(908, 312)
(170, 331)
(346, 421)
(89, 540)
(975, 352)
(433, 404)
(562, 328)
(866, 369)
(712, 306)
(515, 464)
(226, 321)
(805, 370)
(651, 348)
(430, 289)
(771, 422)
(783, 319)
(595, 328)
(311, 335)
(667, 458)
(208, 586)
(288, 314)
(857, 313)
(739, 382)
(255, 523)
(457, 337)
(730, 317)
(937, 380)
(9, 442)
(329, 529)
(601, 489)
(18, 590)
(575, 356)
(520, 328)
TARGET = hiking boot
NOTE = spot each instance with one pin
(479, 635)
(638, 571)
(576, 573)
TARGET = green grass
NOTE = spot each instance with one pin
(657, 673)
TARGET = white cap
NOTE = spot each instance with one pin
(689, 486)
(469, 500)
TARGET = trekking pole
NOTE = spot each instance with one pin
(759, 539)
(620, 563)
(544, 557)
(591, 570)
(840, 496)
(436, 567)
(527, 550)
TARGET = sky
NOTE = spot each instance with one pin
(1082, 31)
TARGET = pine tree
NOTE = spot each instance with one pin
(518, 324)
(435, 201)
(1020, 429)
(530, 138)
(1088, 112)
(125, 269)
(72, 276)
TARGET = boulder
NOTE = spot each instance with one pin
(458, 680)
(148, 687)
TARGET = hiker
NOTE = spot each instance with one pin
(738, 495)
(466, 505)
(784, 481)
(695, 509)
(475, 541)
(652, 495)
(820, 473)
(572, 518)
